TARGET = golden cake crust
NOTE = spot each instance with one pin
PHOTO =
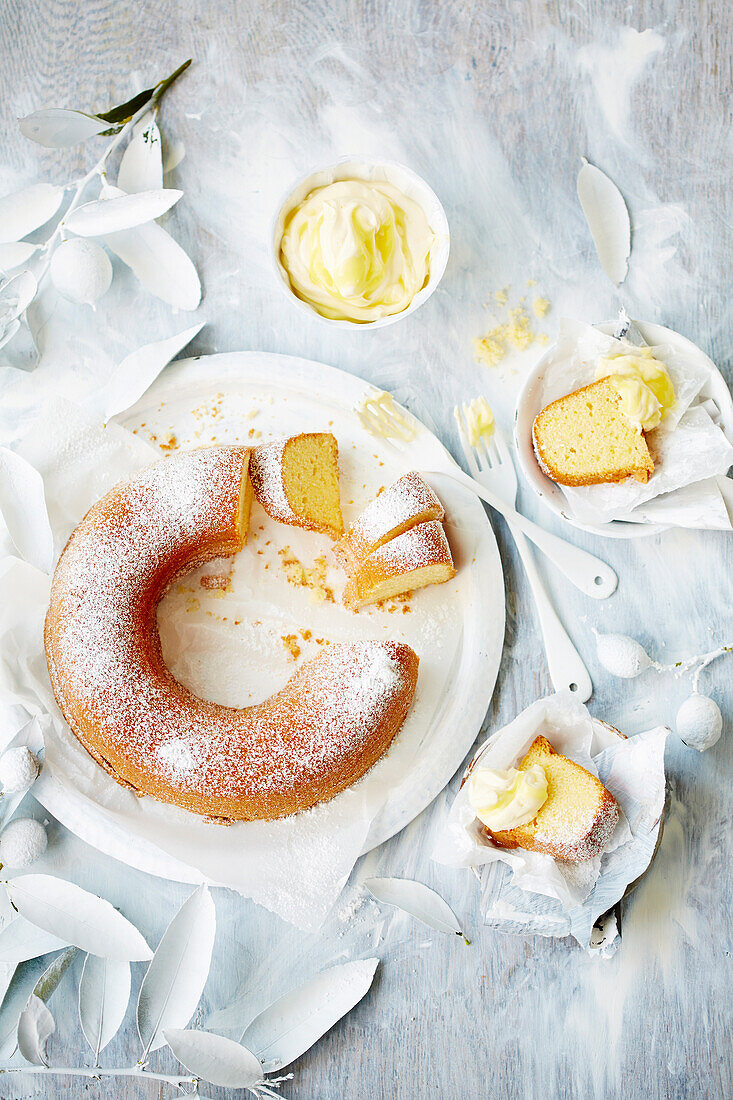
(418, 557)
(304, 745)
(407, 502)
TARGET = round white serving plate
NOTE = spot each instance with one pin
(529, 403)
(453, 724)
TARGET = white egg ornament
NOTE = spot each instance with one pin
(699, 722)
(81, 270)
(621, 655)
(18, 770)
(22, 842)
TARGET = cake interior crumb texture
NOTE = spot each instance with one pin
(310, 479)
(584, 439)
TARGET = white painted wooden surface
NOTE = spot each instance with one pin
(494, 103)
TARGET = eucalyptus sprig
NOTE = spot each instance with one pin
(56, 915)
(121, 219)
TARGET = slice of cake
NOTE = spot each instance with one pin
(403, 505)
(417, 557)
(296, 481)
(585, 439)
(578, 816)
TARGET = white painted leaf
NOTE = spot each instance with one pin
(174, 154)
(14, 1001)
(176, 977)
(102, 216)
(56, 127)
(608, 220)
(141, 167)
(16, 294)
(16, 254)
(7, 335)
(77, 916)
(26, 210)
(159, 263)
(35, 1027)
(417, 899)
(292, 1024)
(218, 1060)
(104, 993)
(139, 370)
(46, 985)
(21, 940)
(23, 506)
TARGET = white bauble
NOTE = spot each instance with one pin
(81, 270)
(22, 842)
(18, 769)
(621, 655)
(699, 722)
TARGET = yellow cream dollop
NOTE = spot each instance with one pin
(357, 250)
(505, 799)
(480, 422)
(643, 384)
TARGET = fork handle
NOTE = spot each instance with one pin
(567, 670)
(586, 572)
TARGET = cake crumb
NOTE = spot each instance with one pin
(513, 330)
(290, 641)
(222, 582)
(313, 579)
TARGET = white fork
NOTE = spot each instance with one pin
(491, 462)
(588, 573)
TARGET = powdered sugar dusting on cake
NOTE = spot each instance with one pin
(416, 548)
(407, 498)
(341, 709)
(266, 471)
(584, 839)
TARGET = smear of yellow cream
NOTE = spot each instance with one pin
(643, 385)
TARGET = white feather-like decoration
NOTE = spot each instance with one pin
(608, 220)
(177, 974)
(418, 900)
(296, 1021)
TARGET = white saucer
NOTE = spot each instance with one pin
(529, 403)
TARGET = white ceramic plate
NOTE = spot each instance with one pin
(529, 404)
(457, 628)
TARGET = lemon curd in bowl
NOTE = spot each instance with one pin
(361, 244)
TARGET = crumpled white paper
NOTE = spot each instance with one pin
(688, 448)
(532, 892)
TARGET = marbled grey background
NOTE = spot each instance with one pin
(494, 103)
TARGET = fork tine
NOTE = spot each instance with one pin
(485, 447)
(505, 455)
(475, 452)
(463, 436)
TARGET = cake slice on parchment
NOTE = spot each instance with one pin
(584, 438)
(578, 817)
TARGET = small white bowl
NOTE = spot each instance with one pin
(529, 403)
(383, 171)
